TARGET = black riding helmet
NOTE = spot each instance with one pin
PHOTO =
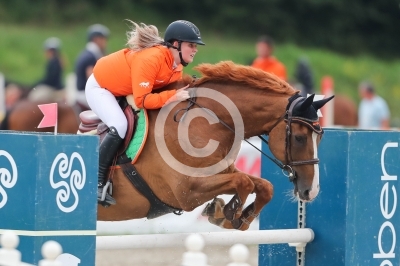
(182, 31)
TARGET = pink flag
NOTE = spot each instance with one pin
(50, 115)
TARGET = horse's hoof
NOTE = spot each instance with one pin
(210, 209)
(206, 211)
(236, 223)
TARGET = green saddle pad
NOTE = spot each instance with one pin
(138, 137)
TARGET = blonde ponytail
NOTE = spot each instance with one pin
(143, 36)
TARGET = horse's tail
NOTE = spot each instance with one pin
(4, 123)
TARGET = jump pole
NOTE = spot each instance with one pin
(290, 236)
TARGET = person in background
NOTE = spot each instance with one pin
(97, 37)
(149, 63)
(265, 59)
(50, 88)
(13, 94)
(304, 76)
(373, 111)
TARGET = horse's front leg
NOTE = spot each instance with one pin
(216, 209)
(205, 189)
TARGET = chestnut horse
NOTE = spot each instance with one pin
(25, 115)
(188, 158)
(345, 112)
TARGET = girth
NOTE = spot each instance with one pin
(157, 207)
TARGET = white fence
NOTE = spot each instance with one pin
(10, 256)
(290, 236)
(194, 244)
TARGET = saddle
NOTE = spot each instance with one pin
(91, 124)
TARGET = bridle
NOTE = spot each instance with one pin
(288, 117)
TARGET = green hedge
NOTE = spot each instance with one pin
(352, 27)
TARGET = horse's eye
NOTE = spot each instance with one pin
(300, 139)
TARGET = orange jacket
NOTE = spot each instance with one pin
(125, 72)
(271, 65)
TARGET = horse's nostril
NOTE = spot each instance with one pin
(306, 194)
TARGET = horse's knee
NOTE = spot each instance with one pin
(245, 184)
(266, 190)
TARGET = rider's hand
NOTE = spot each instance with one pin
(181, 95)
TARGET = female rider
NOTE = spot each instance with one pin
(149, 63)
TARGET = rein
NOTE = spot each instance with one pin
(287, 169)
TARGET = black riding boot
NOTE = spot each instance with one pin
(108, 147)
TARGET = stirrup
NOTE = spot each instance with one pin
(106, 199)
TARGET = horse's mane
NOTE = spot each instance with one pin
(226, 71)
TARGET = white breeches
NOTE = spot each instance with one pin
(104, 104)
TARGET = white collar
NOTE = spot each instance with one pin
(94, 49)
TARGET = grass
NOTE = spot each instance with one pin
(22, 58)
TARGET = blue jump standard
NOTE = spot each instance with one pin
(49, 193)
(354, 216)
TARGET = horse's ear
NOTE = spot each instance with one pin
(318, 104)
(307, 103)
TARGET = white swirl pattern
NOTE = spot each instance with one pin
(77, 180)
(7, 179)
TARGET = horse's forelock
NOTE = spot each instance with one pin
(229, 71)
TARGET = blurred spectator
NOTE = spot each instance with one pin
(97, 36)
(373, 112)
(13, 94)
(304, 76)
(265, 59)
(50, 87)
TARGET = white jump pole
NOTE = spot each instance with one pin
(295, 236)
